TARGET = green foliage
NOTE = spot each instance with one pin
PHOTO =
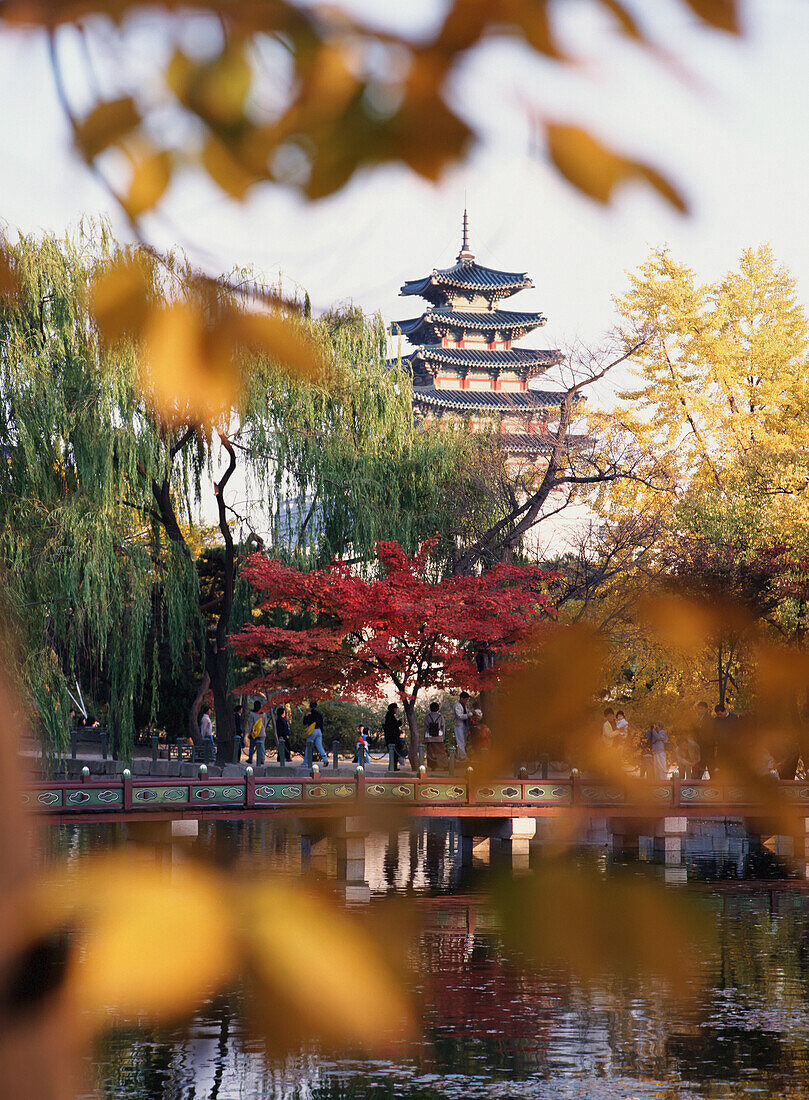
(350, 467)
(81, 566)
(343, 718)
(99, 585)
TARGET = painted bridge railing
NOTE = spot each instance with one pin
(109, 796)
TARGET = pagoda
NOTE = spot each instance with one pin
(464, 362)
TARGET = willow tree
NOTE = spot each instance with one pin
(350, 467)
(102, 485)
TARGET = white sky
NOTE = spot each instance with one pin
(734, 135)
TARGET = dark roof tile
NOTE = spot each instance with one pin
(500, 359)
(467, 401)
(467, 275)
(480, 320)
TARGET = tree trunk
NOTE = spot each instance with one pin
(216, 652)
(410, 715)
(216, 664)
(193, 720)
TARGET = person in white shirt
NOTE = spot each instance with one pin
(206, 728)
(461, 715)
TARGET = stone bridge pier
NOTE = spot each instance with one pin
(500, 839)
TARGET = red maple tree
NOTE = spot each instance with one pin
(402, 629)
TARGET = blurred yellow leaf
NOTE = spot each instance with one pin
(722, 14)
(319, 972)
(279, 339)
(183, 375)
(624, 18)
(469, 20)
(118, 300)
(105, 125)
(216, 88)
(192, 362)
(225, 169)
(782, 675)
(121, 965)
(330, 83)
(679, 622)
(596, 926)
(597, 170)
(544, 705)
(151, 175)
(8, 280)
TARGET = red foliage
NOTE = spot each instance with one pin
(402, 629)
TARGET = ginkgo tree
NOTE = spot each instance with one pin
(719, 412)
(400, 631)
(717, 419)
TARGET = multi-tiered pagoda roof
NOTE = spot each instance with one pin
(464, 362)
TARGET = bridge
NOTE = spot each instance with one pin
(128, 798)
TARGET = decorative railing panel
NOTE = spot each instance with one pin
(108, 797)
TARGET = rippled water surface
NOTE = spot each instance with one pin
(490, 1027)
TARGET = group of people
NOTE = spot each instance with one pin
(704, 750)
(252, 729)
(469, 729)
(252, 734)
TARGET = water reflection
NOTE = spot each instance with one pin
(491, 1029)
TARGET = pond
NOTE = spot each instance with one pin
(492, 1027)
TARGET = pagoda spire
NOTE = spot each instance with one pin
(465, 256)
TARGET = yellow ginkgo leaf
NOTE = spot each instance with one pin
(625, 19)
(279, 338)
(226, 169)
(106, 124)
(215, 88)
(151, 175)
(8, 280)
(317, 972)
(722, 14)
(185, 373)
(676, 621)
(118, 300)
(596, 170)
(113, 903)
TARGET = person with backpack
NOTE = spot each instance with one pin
(258, 735)
(313, 728)
(435, 731)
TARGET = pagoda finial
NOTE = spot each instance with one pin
(465, 256)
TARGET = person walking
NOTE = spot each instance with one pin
(282, 732)
(435, 730)
(314, 728)
(392, 729)
(461, 719)
(258, 736)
